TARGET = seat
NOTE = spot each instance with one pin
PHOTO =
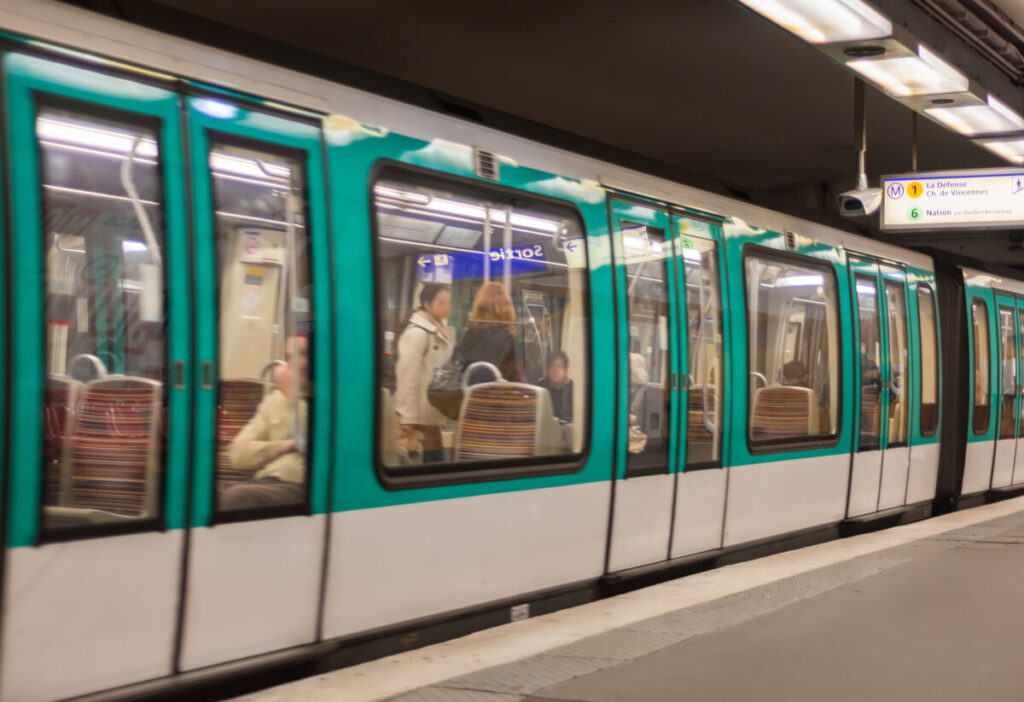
(506, 420)
(239, 400)
(111, 461)
(870, 411)
(784, 412)
(700, 441)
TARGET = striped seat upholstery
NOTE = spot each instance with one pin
(112, 456)
(696, 429)
(506, 420)
(239, 400)
(870, 411)
(784, 412)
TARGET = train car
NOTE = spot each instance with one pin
(294, 371)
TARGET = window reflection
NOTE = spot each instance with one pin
(104, 397)
(982, 403)
(896, 302)
(793, 342)
(870, 362)
(1008, 345)
(265, 323)
(704, 346)
(929, 361)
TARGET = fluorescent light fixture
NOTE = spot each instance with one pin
(215, 108)
(795, 281)
(128, 245)
(465, 210)
(110, 140)
(693, 255)
(1010, 149)
(868, 290)
(825, 21)
(248, 167)
(971, 120)
(907, 76)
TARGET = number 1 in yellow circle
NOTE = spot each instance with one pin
(915, 189)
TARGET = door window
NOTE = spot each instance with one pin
(929, 370)
(1008, 346)
(646, 254)
(982, 406)
(899, 384)
(704, 346)
(264, 326)
(105, 401)
(870, 362)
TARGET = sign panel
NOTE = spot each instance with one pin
(980, 199)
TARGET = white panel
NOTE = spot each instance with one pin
(893, 489)
(84, 616)
(1018, 464)
(867, 473)
(766, 499)
(700, 507)
(977, 467)
(1002, 464)
(924, 472)
(642, 521)
(392, 564)
(253, 587)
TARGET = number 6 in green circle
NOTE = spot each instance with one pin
(915, 214)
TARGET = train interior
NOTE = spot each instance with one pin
(432, 235)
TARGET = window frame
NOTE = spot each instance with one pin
(821, 441)
(890, 321)
(918, 289)
(393, 478)
(43, 100)
(218, 515)
(978, 300)
(879, 318)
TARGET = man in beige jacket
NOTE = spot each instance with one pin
(267, 445)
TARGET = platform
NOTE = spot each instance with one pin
(929, 610)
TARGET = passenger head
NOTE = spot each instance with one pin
(558, 368)
(794, 373)
(494, 306)
(296, 367)
(436, 299)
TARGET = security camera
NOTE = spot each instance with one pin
(861, 201)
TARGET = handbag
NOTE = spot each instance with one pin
(445, 389)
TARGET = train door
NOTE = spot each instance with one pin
(983, 372)
(260, 453)
(701, 481)
(881, 457)
(648, 380)
(100, 354)
(1009, 400)
(1018, 463)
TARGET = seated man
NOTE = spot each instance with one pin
(267, 445)
(795, 374)
(559, 387)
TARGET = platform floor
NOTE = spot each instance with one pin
(932, 610)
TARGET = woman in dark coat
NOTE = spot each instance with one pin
(490, 336)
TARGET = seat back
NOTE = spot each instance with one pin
(238, 402)
(784, 412)
(506, 420)
(112, 456)
(870, 410)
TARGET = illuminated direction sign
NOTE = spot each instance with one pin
(980, 199)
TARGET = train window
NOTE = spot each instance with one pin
(979, 317)
(704, 346)
(1020, 323)
(793, 340)
(1008, 347)
(483, 319)
(104, 396)
(929, 368)
(896, 304)
(264, 326)
(646, 256)
(870, 362)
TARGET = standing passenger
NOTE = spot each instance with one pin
(491, 336)
(424, 344)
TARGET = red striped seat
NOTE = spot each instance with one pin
(112, 456)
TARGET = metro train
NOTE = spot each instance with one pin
(210, 265)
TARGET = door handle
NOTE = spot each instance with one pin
(206, 371)
(178, 375)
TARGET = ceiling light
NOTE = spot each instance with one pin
(920, 74)
(971, 120)
(1010, 149)
(111, 140)
(825, 21)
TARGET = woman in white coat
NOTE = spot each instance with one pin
(425, 344)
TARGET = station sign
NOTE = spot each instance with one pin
(976, 199)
